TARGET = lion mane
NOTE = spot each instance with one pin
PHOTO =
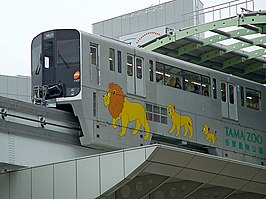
(117, 100)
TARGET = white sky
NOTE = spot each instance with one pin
(21, 20)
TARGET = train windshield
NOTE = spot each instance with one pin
(55, 64)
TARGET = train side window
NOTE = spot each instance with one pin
(253, 99)
(159, 73)
(206, 86)
(112, 59)
(151, 70)
(139, 63)
(242, 96)
(223, 92)
(192, 82)
(214, 88)
(119, 61)
(94, 101)
(129, 65)
(164, 115)
(231, 94)
(93, 55)
(95, 70)
(156, 113)
(149, 111)
(172, 76)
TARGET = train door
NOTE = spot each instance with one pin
(229, 101)
(95, 72)
(135, 75)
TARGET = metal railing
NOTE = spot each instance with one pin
(216, 12)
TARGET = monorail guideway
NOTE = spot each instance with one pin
(32, 135)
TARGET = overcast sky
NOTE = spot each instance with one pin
(21, 20)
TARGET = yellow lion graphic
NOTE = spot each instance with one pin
(209, 136)
(120, 108)
(178, 121)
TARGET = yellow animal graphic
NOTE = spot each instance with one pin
(122, 109)
(209, 136)
(178, 121)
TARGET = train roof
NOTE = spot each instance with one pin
(172, 59)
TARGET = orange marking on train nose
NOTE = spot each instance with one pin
(76, 75)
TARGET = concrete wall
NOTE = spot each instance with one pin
(84, 178)
(173, 14)
(16, 87)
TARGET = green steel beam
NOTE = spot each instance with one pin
(240, 45)
(160, 42)
(205, 27)
(263, 28)
(256, 53)
(210, 55)
(239, 59)
(234, 47)
(233, 34)
(214, 39)
(188, 48)
(257, 19)
(232, 61)
(233, 21)
(253, 68)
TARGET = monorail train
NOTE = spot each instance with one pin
(125, 96)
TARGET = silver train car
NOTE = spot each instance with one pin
(125, 96)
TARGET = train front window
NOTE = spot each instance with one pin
(48, 53)
(67, 52)
(36, 55)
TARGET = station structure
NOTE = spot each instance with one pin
(50, 163)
